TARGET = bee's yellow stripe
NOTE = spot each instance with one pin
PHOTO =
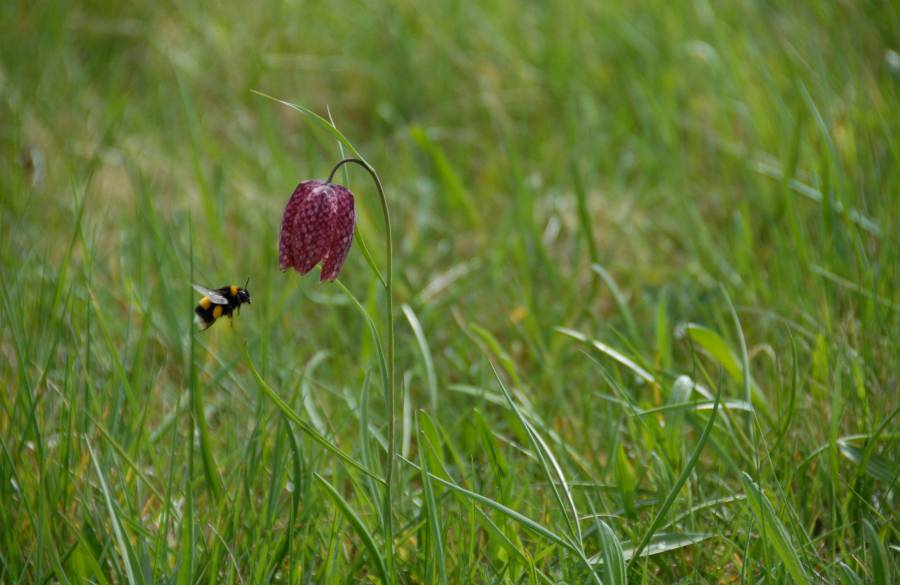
(205, 302)
(233, 290)
(217, 312)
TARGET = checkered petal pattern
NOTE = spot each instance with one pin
(317, 226)
(343, 222)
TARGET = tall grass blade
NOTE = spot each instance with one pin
(517, 517)
(612, 554)
(662, 542)
(682, 478)
(376, 339)
(124, 545)
(775, 532)
(847, 575)
(513, 515)
(619, 299)
(307, 428)
(584, 215)
(551, 467)
(434, 521)
(324, 122)
(609, 351)
(718, 349)
(357, 524)
(430, 376)
(882, 566)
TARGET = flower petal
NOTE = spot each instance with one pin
(286, 238)
(306, 227)
(343, 222)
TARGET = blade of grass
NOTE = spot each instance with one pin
(304, 426)
(364, 431)
(322, 121)
(584, 216)
(131, 464)
(847, 575)
(513, 515)
(121, 541)
(774, 531)
(517, 517)
(210, 469)
(431, 509)
(881, 563)
(613, 556)
(385, 367)
(430, 376)
(619, 299)
(666, 541)
(609, 351)
(358, 526)
(548, 461)
(509, 545)
(682, 478)
(376, 339)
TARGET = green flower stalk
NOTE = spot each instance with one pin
(317, 227)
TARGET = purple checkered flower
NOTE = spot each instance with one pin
(317, 226)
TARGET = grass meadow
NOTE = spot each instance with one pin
(646, 293)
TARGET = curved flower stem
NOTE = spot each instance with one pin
(389, 391)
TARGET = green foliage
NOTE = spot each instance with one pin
(671, 227)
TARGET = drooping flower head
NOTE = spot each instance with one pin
(317, 226)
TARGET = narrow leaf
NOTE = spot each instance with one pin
(358, 526)
(305, 426)
(775, 532)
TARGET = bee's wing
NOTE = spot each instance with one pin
(212, 295)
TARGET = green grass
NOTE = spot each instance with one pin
(646, 280)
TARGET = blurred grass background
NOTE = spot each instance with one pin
(558, 173)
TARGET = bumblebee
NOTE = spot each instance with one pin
(220, 302)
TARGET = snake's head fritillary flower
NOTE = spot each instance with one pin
(317, 226)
